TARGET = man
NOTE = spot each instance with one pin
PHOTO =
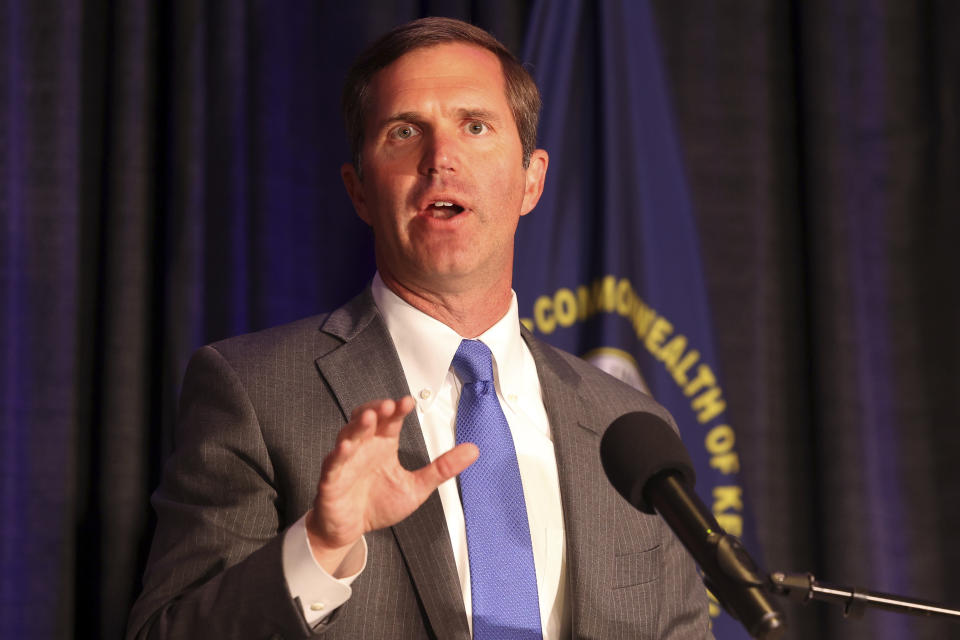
(305, 495)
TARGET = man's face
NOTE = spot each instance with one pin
(443, 180)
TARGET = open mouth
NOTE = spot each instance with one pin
(444, 209)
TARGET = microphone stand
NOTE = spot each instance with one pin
(736, 565)
(804, 587)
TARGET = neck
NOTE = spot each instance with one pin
(469, 312)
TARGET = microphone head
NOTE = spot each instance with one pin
(638, 446)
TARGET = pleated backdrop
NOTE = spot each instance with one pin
(776, 181)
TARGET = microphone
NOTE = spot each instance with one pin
(649, 466)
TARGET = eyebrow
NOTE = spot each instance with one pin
(478, 114)
(403, 116)
(415, 117)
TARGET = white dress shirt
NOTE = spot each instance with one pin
(426, 348)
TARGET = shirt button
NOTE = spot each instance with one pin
(317, 606)
(512, 397)
(424, 394)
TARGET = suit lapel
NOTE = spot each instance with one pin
(576, 441)
(364, 368)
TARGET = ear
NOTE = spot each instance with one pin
(355, 190)
(536, 174)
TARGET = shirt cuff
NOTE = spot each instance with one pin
(319, 593)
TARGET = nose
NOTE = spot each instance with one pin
(440, 154)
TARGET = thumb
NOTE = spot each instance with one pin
(446, 466)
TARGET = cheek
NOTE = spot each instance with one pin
(507, 186)
(386, 200)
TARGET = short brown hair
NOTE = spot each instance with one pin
(522, 93)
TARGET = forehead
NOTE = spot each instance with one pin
(444, 72)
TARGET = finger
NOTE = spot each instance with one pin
(391, 425)
(405, 405)
(378, 417)
(446, 466)
(361, 425)
(350, 440)
(373, 404)
(333, 462)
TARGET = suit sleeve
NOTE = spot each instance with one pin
(215, 567)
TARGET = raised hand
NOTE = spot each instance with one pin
(363, 487)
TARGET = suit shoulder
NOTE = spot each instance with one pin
(294, 339)
(588, 373)
(609, 395)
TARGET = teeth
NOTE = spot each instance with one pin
(441, 203)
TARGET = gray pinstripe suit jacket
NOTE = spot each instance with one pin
(258, 413)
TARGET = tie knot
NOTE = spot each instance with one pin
(473, 362)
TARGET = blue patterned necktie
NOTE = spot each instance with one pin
(503, 582)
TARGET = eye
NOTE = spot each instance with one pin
(476, 127)
(404, 132)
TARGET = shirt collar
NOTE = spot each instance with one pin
(426, 346)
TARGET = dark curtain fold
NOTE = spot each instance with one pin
(821, 141)
(40, 197)
(169, 175)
